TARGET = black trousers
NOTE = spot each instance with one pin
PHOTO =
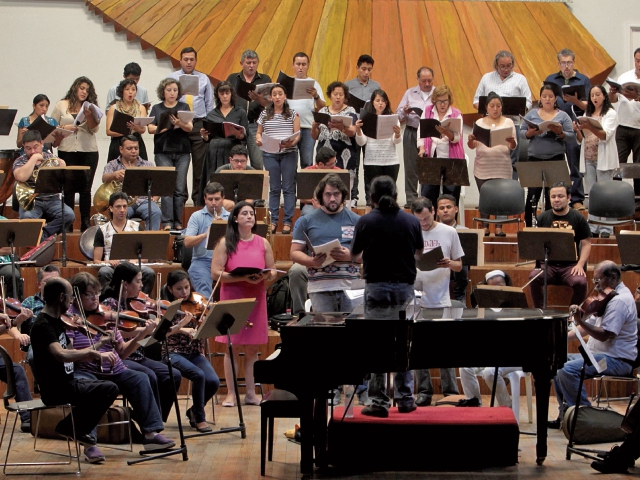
(373, 171)
(534, 193)
(83, 159)
(158, 373)
(627, 141)
(198, 151)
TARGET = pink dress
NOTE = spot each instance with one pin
(248, 254)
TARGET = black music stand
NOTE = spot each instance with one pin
(307, 181)
(510, 105)
(7, 116)
(472, 246)
(226, 317)
(218, 229)
(628, 246)
(138, 181)
(542, 174)
(128, 245)
(243, 183)
(493, 296)
(544, 244)
(160, 335)
(19, 233)
(443, 171)
(54, 180)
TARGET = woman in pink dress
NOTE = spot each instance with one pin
(242, 248)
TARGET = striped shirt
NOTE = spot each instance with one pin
(278, 127)
(494, 162)
(515, 85)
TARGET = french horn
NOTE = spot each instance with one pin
(101, 197)
(25, 192)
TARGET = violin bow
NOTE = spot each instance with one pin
(4, 304)
(76, 296)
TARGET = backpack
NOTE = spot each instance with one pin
(279, 297)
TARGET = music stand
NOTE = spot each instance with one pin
(128, 245)
(19, 233)
(2, 176)
(160, 335)
(138, 181)
(513, 106)
(544, 244)
(307, 180)
(472, 246)
(541, 174)
(218, 229)
(226, 317)
(442, 171)
(628, 245)
(243, 183)
(7, 116)
(54, 180)
(493, 296)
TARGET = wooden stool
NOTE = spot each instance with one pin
(275, 404)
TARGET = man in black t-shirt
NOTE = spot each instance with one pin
(387, 240)
(53, 360)
(569, 273)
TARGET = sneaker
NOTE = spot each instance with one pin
(93, 455)
(407, 408)
(607, 466)
(159, 442)
(25, 427)
(605, 235)
(554, 424)
(375, 411)
(423, 400)
(335, 400)
(578, 206)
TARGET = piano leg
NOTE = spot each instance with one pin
(542, 382)
(320, 431)
(306, 431)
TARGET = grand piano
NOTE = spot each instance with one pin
(322, 351)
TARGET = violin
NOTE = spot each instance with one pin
(597, 303)
(10, 306)
(126, 320)
(74, 322)
(196, 304)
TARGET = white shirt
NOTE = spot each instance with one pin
(515, 85)
(306, 107)
(380, 151)
(628, 111)
(607, 148)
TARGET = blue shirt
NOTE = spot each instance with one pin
(199, 223)
(577, 79)
(203, 102)
(24, 123)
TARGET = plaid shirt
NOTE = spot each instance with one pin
(116, 165)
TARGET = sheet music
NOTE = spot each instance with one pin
(600, 366)
(324, 248)
(386, 124)
(185, 116)
(143, 121)
(270, 144)
(58, 131)
(499, 136)
(300, 86)
(97, 113)
(190, 84)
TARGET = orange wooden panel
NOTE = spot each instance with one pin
(224, 33)
(153, 16)
(106, 7)
(185, 26)
(417, 39)
(127, 12)
(279, 49)
(325, 58)
(248, 38)
(459, 69)
(386, 45)
(527, 41)
(357, 39)
(169, 21)
(565, 31)
(202, 31)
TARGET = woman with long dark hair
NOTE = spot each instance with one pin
(241, 247)
(126, 103)
(80, 148)
(40, 108)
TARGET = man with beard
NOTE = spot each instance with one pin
(329, 276)
(569, 273)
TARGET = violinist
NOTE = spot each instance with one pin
(35, 303)
(130, 276)
(135, 386)
(186, 353)
(613, 334)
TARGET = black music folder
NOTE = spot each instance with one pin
(42, 126)
(119, 122)
(7, 116)
(510, 105)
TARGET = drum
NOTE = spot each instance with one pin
(6, 165)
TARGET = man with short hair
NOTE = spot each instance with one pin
(255, 104)
(118, 206)
(569, 273)
(115, 170)
(46, 206)
(613, 336)
(197, 234)
(305, 108)
(627, 105)
(506, 83)
(200, 104)
(361, 87)
(54, 370)
(434, 287)
(131, 71)
(574, 107)
(418, 97)
(447, 214)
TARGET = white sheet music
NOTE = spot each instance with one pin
(270, 144)
(143, 121)
(185, 116)
(300, 86)
(600, 366)
(385, 125)
(97, 113)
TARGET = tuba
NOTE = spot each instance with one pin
(101, 197)
(25, 192)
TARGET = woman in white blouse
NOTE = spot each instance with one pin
(448, 145)
(599, 152)
(381, 156)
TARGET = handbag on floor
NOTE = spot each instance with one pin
(594, 425)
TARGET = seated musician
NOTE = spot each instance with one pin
(135, 386)
(469, 375)
(564, 273)
(35, 303)
(129, 276)
(197, 235)
(115, 170)
(104, 237)
(238, 160)
(54, 370)
(25, 169)
(187, 354)
(613, 334)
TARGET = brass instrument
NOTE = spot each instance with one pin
(25, 192)
(101, 197)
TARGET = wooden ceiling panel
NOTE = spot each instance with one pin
(324, 64)
(356, 40)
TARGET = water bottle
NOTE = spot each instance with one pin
(348, 400)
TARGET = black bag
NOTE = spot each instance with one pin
(594, 425)
(178, 245)
(279, 297)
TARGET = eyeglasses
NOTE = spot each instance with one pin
(566, 64)
(235, 160)
(505, 67)
(91, 295)
(441, 102)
